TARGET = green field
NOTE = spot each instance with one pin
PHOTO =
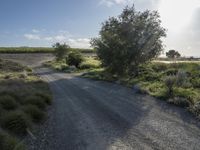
(37, 50)
(24, 98)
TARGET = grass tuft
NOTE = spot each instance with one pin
(15, 122)
(36, 100)
(36, 114)
(8, 102)
(8, 142)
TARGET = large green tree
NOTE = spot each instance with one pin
(129, 40)
(173, 54)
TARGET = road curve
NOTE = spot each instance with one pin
(96, 115)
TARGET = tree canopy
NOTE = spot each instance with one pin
(173, 54)
(61, 50)
(130, 39)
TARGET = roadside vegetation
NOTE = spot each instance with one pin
(177, 83)
(126, 55)
(69, 60)
(126, 48)
(24, 99)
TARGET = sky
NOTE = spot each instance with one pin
(75, 22)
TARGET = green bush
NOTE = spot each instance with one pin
(170, 82)
(159, 67)
(60, 50)
(47, 97)
(195, 82)
(34, 112)
(10, 143)
(90, 62)
(8, 102)
(151, 76)
(171, 72)
(191, 94)
(36, 100)
(196, 109)
(74, 59)
(16, 122)
(87, 66)
(180, 101)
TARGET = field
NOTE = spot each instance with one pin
(24, 98)
(37, 50)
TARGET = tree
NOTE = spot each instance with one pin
(129, 40)
(61, 50)
(173, 54)
(74, 59)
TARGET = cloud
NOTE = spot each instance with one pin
(110, 3)
(35, 31)
(73, 42)
(61, 36)
(79, 43)
(32, 36)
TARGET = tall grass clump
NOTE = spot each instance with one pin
(8, 142)
(35, 100)
(15, 122)
(170, 82)
(36, 114)
(8, 102)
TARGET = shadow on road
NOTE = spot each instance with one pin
(89, 114)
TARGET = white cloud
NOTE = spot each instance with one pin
(32, 36)
(35, 31)
(73, 42)
(110, 3)
(48, 38)
(79, 43)
(60, 38)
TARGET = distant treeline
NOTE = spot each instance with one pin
(179, 59)
(37, 50)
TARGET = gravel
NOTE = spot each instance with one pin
(96, 115)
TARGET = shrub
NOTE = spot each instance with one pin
(16, 122)
(36, 100)
(9, 143)
(196, 109)
(34, 112)
(47, 97)
(170, 82)
(151, 76)
(8, 102)
(74, 59)
(181, 78)
(191, 94)
(195, 82)
(89, 63)
(158, 67)
(171, 72)
(180, 101)
(61, 51)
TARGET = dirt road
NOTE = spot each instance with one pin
(95, 115)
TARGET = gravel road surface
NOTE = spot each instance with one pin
(96, 115)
